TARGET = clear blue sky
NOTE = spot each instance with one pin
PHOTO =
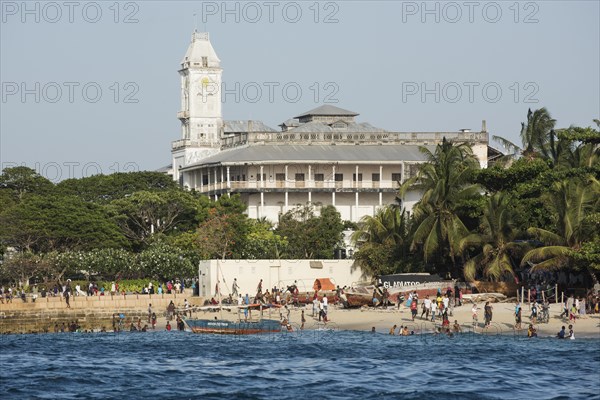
(371, 57)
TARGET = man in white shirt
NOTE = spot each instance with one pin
(315, 309)
(325, 304)
(426, 307)
(474, 310)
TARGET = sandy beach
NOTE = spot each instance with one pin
(365, 319)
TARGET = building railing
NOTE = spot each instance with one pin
(291, 184)
(351, 137)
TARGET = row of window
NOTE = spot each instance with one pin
(396, 177)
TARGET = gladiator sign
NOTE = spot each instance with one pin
(402, 280)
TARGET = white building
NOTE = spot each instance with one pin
(279, 273)
(322, 156)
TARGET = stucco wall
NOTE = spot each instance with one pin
(273, 273)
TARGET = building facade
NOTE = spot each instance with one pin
(320, 157)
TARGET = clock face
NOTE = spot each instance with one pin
(205, 85)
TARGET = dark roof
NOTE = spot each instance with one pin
(246, 126)
(328, 110)
(317, 126)
(316, 153)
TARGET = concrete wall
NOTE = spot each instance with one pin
(273, 273)
(131, 301)
(92, 312)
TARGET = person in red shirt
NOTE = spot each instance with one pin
(413, 308)
(168, 326)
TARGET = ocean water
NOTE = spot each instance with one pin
(310, 364)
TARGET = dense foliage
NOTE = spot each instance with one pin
(538, 207)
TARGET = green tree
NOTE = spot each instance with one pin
(310, 236)
(23, 180)
(144, 214)
(535, 133)
(446, 183)
(495, 242)
(383, 241)
(45, 223)
(262, 242)
(571, 202)
(107, 188)
(163, 261)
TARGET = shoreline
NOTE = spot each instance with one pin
(382, 320)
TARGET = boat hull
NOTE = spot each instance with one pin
(223, 327)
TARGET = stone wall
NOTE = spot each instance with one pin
(93, 312)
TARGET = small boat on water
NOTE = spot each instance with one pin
(225, 327)
(228, 327)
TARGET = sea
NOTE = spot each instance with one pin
(309, 364)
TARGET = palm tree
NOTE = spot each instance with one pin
(381, 239)
(535, 133)
(571, 202)
(388, 225)
(445, 181)
(495, 241)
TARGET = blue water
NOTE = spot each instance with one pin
(307, 365)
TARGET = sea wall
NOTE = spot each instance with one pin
(90, 312)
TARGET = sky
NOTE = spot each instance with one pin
(93, 87)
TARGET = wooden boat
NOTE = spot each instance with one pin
(228, 327)
(397, 285)
(225, 327)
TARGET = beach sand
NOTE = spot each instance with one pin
(503, 320)
(365, 319)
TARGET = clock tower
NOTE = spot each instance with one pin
(200, 115)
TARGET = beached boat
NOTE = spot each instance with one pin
(397, 286)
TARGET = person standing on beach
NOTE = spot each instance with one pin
(518, 316)
(573, 313)
(234, 288)
(150, 313)
(393, 330)
(426, 308)
(67, 296)
(325, 304)
(413, 308)
(259, 287)
(474, 311)
(487, 310)
(303, 320)
(434, 305)
(315, 308)
(534, 311)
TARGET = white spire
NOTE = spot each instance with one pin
(199, 51)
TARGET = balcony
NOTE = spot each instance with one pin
(303, 186)
(183, 114)
(178, 144)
